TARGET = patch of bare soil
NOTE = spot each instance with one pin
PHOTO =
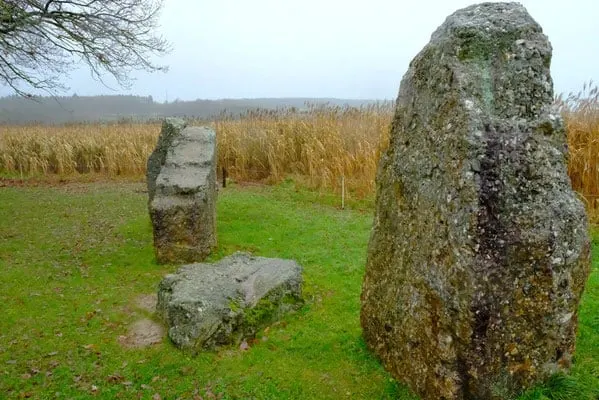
(143, 333)
(146, 302)
(10, 182)
(99, 186)
(77, 184)
(249, 184)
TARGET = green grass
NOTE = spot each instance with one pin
(74, 257)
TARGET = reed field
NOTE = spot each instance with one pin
(316, 147)
(581, 116)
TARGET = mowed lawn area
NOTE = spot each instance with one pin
(75, 257)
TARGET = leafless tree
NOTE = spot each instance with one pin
(41, 41)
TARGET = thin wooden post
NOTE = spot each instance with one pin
(343, 192)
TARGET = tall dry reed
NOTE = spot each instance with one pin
(317, 146)
(581, 116)
(108, 149)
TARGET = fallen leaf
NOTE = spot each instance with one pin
(114, 378)
(156, 397)
(90, 314)
(25, 376)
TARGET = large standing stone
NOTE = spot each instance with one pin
(479, 251)
(207, 305)
(182, 192)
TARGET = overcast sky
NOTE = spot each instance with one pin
(328, 48)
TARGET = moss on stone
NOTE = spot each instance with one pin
(266, 310)
(463, 295)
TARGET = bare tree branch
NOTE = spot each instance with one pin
(42, 40)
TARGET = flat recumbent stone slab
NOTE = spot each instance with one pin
(209, 305)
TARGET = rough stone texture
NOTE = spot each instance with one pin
(207, 305)
(182, 193)
(479, 251)
(171, 128)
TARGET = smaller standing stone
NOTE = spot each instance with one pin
(182, 192)
(208, 305)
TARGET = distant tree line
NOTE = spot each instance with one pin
(57, 110)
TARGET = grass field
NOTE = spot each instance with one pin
(73, 259)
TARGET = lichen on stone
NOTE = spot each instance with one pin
(181, 181)
(479, 250)
(210, 305)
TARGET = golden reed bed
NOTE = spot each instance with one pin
(317, 148)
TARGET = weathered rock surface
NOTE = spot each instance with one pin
(171, 128)
(479, 251)
(182, 192)
(207, 305)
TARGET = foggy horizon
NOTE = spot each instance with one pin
(335, 49)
